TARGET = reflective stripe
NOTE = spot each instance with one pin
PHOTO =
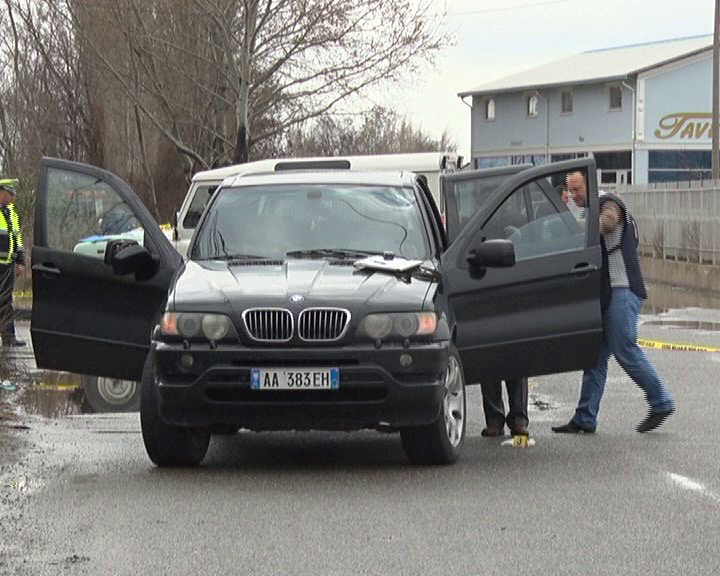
(10, 234)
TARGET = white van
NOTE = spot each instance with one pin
(203, 184)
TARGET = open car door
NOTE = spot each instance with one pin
(521, 278)
(86, 318)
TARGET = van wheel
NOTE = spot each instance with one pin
(165, 444)
(111, 394)
(441, 442)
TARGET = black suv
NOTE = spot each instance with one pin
(327, 300)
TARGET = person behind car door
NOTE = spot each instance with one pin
(12, 259)
(495, 419)
(622, 295)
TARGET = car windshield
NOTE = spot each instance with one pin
(311, 221)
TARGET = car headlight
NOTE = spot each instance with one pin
(397, 325)
(195, 325)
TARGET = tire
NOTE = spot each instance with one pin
(441, 442)
(165, 444)
(111, 395)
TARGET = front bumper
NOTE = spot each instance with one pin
(375, 390)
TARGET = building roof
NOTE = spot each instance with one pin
(602, 65)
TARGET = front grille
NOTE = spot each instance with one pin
(269, 324)
(323, 324)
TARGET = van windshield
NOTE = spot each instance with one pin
(279, 221)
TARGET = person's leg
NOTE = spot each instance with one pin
(493, 407)
(592, 389)
(517, 418)
(591, 392)
(7, 320)
(633, 360)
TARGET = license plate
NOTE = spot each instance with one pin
(295, 379)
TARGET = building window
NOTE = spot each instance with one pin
(615, 94)
(532, 102)
(490, 109)
(566, 102)
(679, 165)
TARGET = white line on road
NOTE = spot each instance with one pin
(689, 484)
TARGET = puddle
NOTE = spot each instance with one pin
(687, 324)
(663, 298)
(52, 395)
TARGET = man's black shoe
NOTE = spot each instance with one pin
(571, 428)
(13, 342)
(653, 420)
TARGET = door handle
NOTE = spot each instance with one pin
(584, 269)
(46, 269)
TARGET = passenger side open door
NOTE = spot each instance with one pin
(521, 278)
(86, 318)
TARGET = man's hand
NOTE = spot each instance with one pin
(610, 216)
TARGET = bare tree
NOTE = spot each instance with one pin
(380, 131)
(240, 62)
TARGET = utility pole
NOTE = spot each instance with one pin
(715, 106)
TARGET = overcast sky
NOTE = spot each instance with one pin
(496, 38)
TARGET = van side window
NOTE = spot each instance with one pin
(199, 201)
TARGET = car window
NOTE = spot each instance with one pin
(537, 220)
(471, 195)
(270, 221)
(200, 199)
(83, 213)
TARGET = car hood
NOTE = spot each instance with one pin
(214, 285)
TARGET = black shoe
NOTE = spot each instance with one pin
(571, 428)
(653, 420)
(493, 431)
(13, 342)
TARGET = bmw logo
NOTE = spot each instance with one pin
(297, 298)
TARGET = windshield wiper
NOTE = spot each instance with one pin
(235, 257)
(332, 253)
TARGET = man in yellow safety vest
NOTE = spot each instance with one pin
(12, 259)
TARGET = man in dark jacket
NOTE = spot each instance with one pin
(621, 301)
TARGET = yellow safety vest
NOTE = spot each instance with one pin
(11, 240)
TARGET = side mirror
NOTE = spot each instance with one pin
(493, 254)
(114, 246)
(134, 258)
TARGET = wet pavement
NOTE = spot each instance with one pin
(78, 494)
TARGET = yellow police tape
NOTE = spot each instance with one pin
(656, 344)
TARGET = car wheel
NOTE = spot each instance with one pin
(441, 442)
(167, 445)
(111, 394)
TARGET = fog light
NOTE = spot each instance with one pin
(187, 361)
(406, 360)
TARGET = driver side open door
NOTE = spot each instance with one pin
(85, 318)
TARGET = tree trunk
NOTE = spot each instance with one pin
(241, 146)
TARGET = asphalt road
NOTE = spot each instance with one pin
(82, 498)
